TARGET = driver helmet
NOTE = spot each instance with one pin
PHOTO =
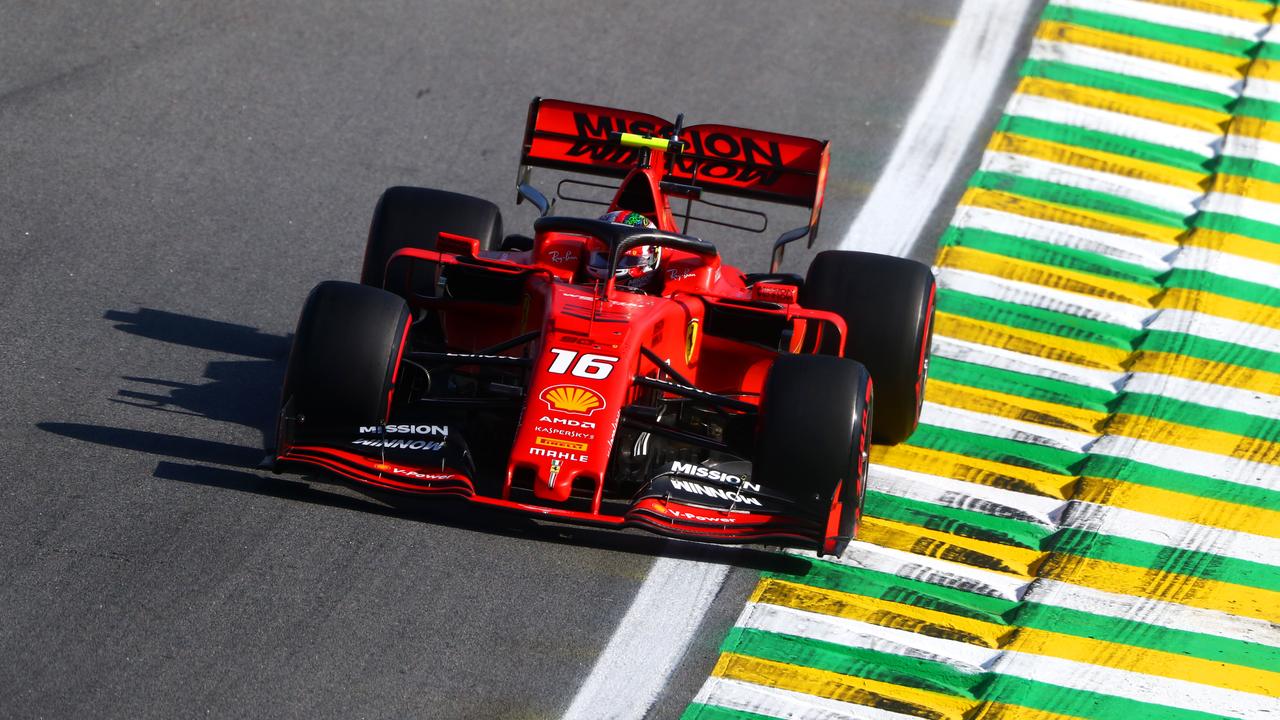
(637, 265)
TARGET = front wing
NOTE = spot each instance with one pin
(659, 507)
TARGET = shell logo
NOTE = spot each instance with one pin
(572, 399)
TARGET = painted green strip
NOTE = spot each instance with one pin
(895, 588)
(1127, 84)
(1040, 320)
(1225, 286)
(857, 662)
(1206, 349)
(1150, 31)
(1076, 197)
(1152, 637)
(1104, 142)
(1081, 543)
(1248, 167)
(1046, 254)
(1255, 229)
(985, 447)
(1021, 384)
(1080, 703)
(956, 521)
(1124, 470)
(1253, 107)
(1200, 416)
(1268, 50)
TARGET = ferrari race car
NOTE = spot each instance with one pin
(613, 371)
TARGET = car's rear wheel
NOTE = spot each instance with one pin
(814, 436)
(346, 351)
(412, 217)
(887, 303)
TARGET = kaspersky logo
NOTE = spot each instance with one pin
(572, 399)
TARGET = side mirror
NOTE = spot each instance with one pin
(525, 191)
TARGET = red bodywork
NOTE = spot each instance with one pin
(589, 352)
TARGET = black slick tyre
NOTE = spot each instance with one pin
(814, 437)
(887, 304)
(346, 350)
(412, 217)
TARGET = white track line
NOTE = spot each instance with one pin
(650, 640)
(947, 113)
(669, 605)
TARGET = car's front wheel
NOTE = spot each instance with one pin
(814, 437)
(345, 356)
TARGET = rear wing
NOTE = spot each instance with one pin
(723, 159)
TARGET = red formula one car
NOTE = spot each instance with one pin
(612, 370)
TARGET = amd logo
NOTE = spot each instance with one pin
(584, 424)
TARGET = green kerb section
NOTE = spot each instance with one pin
(1149, 31)
(1104, 142)
(1025, 317)
(1195, 415)
(986, 447)
(1137, 87)
(1132, 471)
(1032, 387)
(1066, 258)
(1076, 197)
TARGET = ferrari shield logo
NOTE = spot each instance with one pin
(555, 471)
(690, 341)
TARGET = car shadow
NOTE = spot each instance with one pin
(242, 392)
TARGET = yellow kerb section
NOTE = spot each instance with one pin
(1015, 561)
(1179, 506)
(1247, 187)
(1097, 160)
(1049, 276)
(845, 688)
(1265, 69)
(1207, 371)
(1090, 219)
(1233, 244)
(1162, 585)
(1180, 55)
(974, 470)
(885, 613)
(1014, 407)
(1045, 345)
(1256, 128)
(1244, 9)
(1186, 116)
(1222, 306)
(1194, 438)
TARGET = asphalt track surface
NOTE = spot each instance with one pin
(174, 177)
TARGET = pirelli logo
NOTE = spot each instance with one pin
(558, 443)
